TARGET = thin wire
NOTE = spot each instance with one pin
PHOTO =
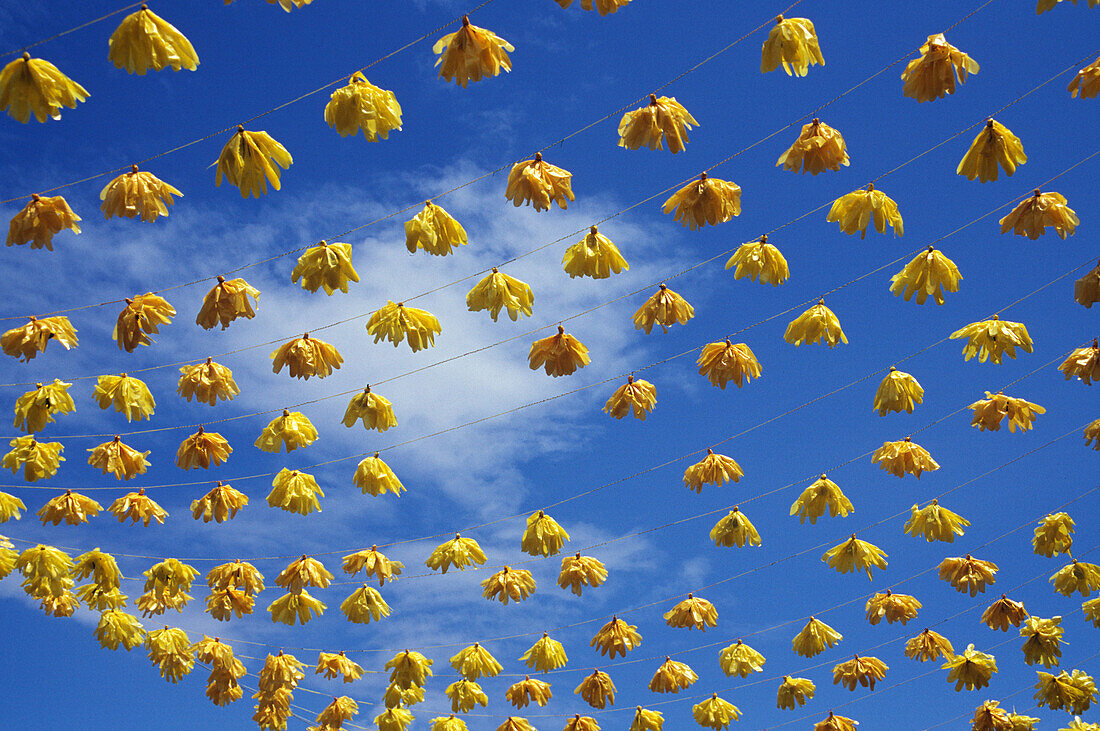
(70, 30)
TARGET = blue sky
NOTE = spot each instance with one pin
(809, 413)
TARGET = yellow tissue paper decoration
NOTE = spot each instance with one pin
(1043, 639)
(374, 477)
(1086, 82)
(1083, 363)
(639, 397)
(542, 536)
(166, 585)
(735, 530)
(471, 54)
(693, 613)
(928, 645)
(818, 148)
(170, 650)
(508, 584)
(1054, 535)
(1092, 434)
(822, 495)
(144, 40)
(1086, 290)
(933, 75)
(434, 231)
(815, 325)
(725, 362)
(362, 106)
(71, 507)
(374, 564)
(741, 660)
(1074, 692)
(593, 256)
(326, 266)
(1004, 612)
(559, 355)
(219, 505)
(137, 194)
(855, 555)
(410, 669)
(672, 677)
(305, 357)
(927, 274)
(935, 523)
(143, 314)
(465, 694)
(646, 720)
(521, 694)
(303, 572)
(995, 145)
(759, 261)
(794, 692)
(971, 670)
(1077, 576)
(376, 411)
(295, 492)
(130, 396)
(474, 662)
(581, 723)
(39, 220)
(858, 209)
(35, 86)
(891, 607)
(137, 506)
(713, 469)
(448, 723)
(989, 716)
(596, 689)
(968, 574)
(225, 302)
(101, 598)
(715, 713)
(278, 678)
(815, 638)
(46, 571)
(616, 638)
(209, 382)
(332, 717)
(10, 506)
(232, 586)
(704, 201)
(836, 723)
(28, 341)
(365, 604)
(393, 719)
(1021, 722)
(545, 655)
(201, 449)
(662, 120)
(250, 160)
(990, 411)
(38, 460)
(119, 628)
(898, 392)
(665, 308)
(865, 671)
(395, 321)
(514, 723)
(499, 291)
(993, 338)
(906, 456)
(793, 43)
(1032, 216)
(580, 571)
(396, 697)
(458, 552)
(295, 607)
(123, 461)
(539, 184)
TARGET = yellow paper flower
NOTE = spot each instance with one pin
(891, 607)
(906, 456)
(10, 506)
(539, 184)
(471, 54)
(818, 148)
(362, 106)
(1086, 290)
(741, 660)
(130, 396)
(292, 608)
(993, 338)
(704, 201)
(715, 713)
(290, 430)
(409, 669)
(527, 690)
(672, 677)
(374, 477)
(821, 495)
(474, 662)
(735, 530)
(542, 536)
(693, 613)
(1077, 576)
(836, 723)
(39, 220)
(714, 469)
(144, 41)
(393, 719)
(971, 669)
(137, 506)
(990, 411)
(604, 7)
(137, 194)
(935, 523)
(725, 362)
(639, 397)
(990, 717)
(166, 585)
(1043, 639)
(374, 564)
(220, 504)
(35, 86)
(933, 75)
(499, 291)
(559, 355)
(814, 638)
(1004, 612)
(375, 411)
(927, 274)
(1054, 535)
(225, 302)
(35, 409)
(815, 325)
(794, 692)
(759, 261)
(305, 357)
(28, 341)
(170, 650)
(856, 210)
(395, 697)
(295, 492)
(514, 723)
(1086, 82)
(928, 645)
(968, 574)
(201, 449)
(303, 572)
(1074, 692)
(38, 460)
(865, 671)
(395, 321)
(434, 231)
(459, 552)
(616, 638)
(995, 145)
(596, 689)
(142, 315)
(646, 720)
(117, 628)
(1032, 216)
(326, 266)
(545, 655)
(662, 120)
(334, 714)
(465, 694)
(664, 308)
(898, 392)
(854, 555)
(508, 584)
(207, 381)
(249, 161)
(593, 256)
(580, 571)
(793, 43)
(123, 461)
(1083, 363)
(71, 507)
